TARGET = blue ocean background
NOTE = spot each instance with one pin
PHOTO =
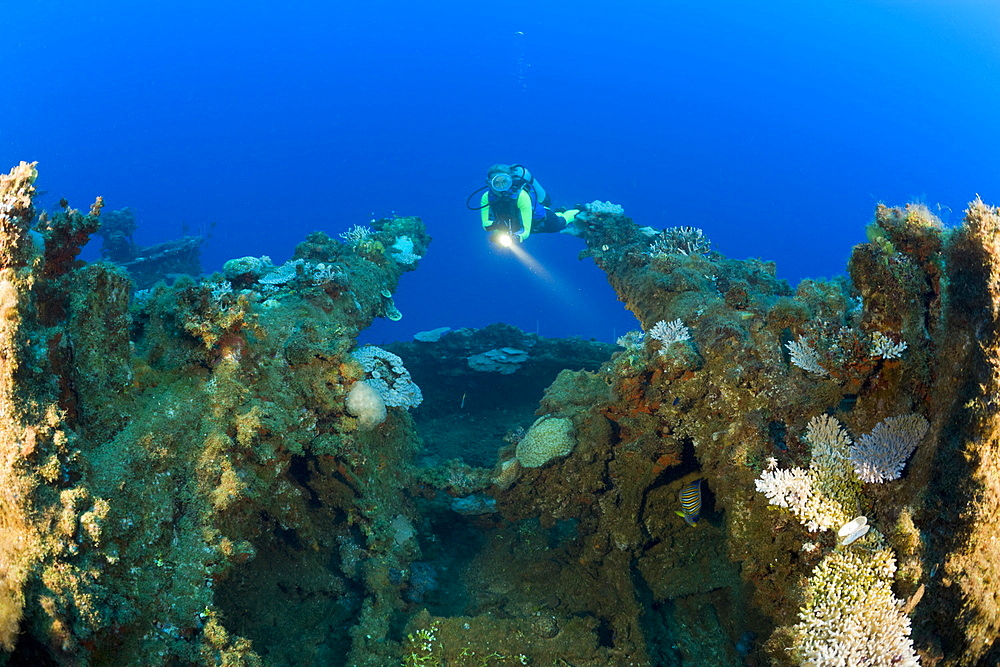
(774, 126)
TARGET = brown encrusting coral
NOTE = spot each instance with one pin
(183, 479)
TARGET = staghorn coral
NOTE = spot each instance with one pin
(850, 615)
(631, 341)
(680, 241)
(794, 489)
(825, 496)
(805, 357)
(880, 456)
(357, 234)
(668, 333)
(885, 348)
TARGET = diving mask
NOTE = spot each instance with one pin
(501, 182)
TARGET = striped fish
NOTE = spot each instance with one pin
(690, 496)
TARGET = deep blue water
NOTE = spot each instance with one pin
(775, 126)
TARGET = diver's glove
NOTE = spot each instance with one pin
(521, 236)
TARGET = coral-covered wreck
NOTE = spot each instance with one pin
(213, 473)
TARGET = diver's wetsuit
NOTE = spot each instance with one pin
(519, 210)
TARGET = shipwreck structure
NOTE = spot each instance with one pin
(213, 472)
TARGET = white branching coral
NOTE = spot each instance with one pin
(357, 234)
(668, 333)
(386, 373)
(220, 292)
(885, 347)
(680, 241)
(402, 251)
(795, 490)
(632, 340)
(789, 488)
(850, 615)
(327, 273)
(829, 446)
(881, 455)
(835, 482)
(804, 356)
(825, 496)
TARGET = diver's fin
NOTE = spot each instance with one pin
(570, 217)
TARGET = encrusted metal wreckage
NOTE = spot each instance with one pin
(183, 479)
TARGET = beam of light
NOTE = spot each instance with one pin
(530, 262)
(564, 291)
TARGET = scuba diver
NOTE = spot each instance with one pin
(514, 205)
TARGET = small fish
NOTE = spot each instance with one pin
(690, 496)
